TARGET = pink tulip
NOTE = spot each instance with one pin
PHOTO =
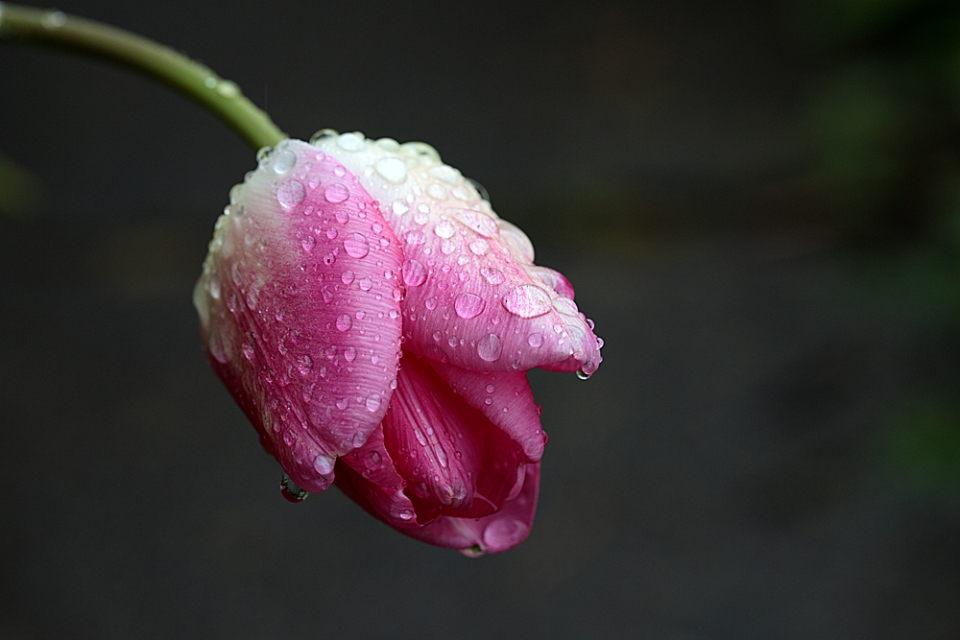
(375, 320)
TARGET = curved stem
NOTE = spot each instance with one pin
(222, 97)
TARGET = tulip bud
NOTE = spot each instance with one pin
(375, 319)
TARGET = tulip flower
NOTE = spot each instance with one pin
(375, 320)
(370, 313)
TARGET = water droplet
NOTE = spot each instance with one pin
(436, 192)
(489, 347)
(448, 247)
(284, 161)
(291, 193)
(347, 276)
(479, 222)
(373, 460)
(349, 354)
(406, 514)
(342, 403)
(493, 276)
(344, 322)
(53, 19)
(468, 305)
(491, 388)
(535, 340)
(328, 260)
(323, 464)
(437, 335)
(356, 245)
(415, 238)
(391, 169)
(309, 243)
(446, 173)
(583, 375)
(481, 190)
(289, 438)
(430, 304)
(414, 273)
(331, 233)
(247, 351)
(479, 247)
(304, 364)
(373, 402)
(399, 207)
(336, 193)
(422, 214)
(365, 284)
(290, 491)
(527, 301)
(228, 89)
(350, 141)
(444, 229)
(323, 135)
(488, 401)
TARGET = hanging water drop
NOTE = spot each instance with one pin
(291, 491)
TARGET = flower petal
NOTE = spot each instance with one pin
(495, 533)
(474, 298)
(504, 398)
(454, 460)
(368, 476)
(299, 310)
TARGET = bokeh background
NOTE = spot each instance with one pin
(758, 203)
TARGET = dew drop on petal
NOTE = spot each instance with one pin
(489, 347)
(399, 207)
(349, 354)
(430, 303)
(535, 340)
(436, 192)
(365, 284)
(304, 365)
(373, 402)
(308, 243)
(479, 247)
(468, 305)
(347, 276)
(291, 193)
(356, 245)
(391, 169)
(350, 141)
(341, 403)
(284, 161)
(445, 229)
(344, 322)
(414, 273)
(446, 173)
(527, 301)
(415, 238)
(335, 193)
(493, 276)
(323, 464)
(373, 459)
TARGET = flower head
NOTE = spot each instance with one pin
(375, 319)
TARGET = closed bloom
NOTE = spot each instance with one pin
(375, 320)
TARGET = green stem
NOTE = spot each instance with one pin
(222, 97)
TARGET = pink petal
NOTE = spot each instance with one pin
(495, 533)
(298, 303)
(474, 298)
(505, 399)
(453, 459)
(368, 477)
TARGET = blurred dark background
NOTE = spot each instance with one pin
(758, 203)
